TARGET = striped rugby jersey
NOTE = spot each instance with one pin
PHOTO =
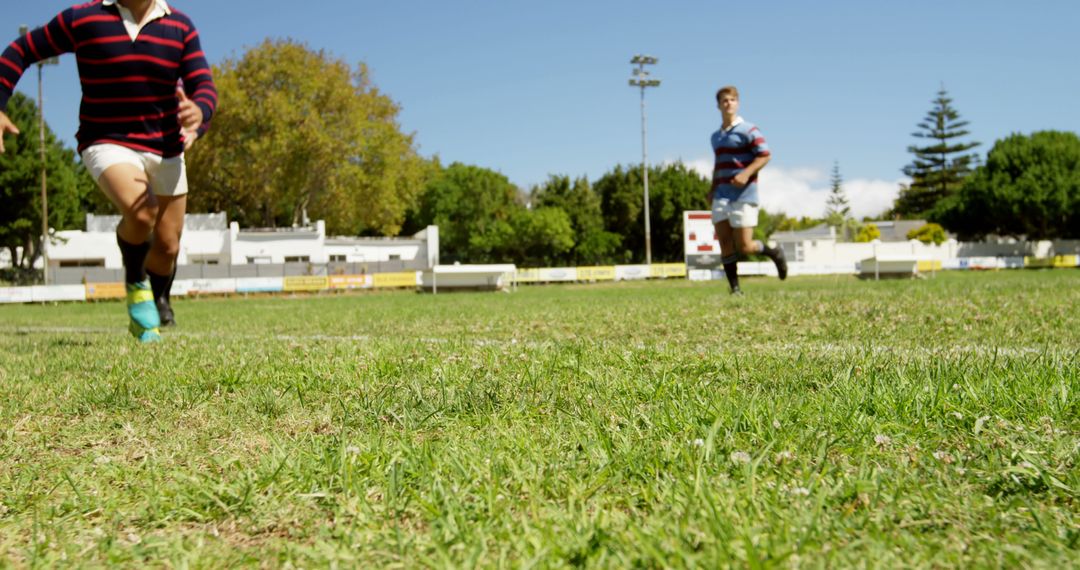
(735, 148)
(128, 87)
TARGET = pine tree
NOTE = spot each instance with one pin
(939, 167)
(837, 207)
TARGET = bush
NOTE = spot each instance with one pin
(929, 233)
(868, 233)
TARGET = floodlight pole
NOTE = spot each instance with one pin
(23, 30)
(641, 79)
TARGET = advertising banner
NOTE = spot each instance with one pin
(180, 288)
(212, 286)
(260, 284)
(307, 283)
(598, 273)
(1066, 261)
(16, 295)
(56, 293)
(528, 275)
(668, 270)
(351, 282)
(632, 272)
(558, 274)
(929, 265)
(388, 280)
(101, 291)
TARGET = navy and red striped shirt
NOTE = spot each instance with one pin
(735, 148)
(129, 87)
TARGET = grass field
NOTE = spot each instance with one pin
(822, 422)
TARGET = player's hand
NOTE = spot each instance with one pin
(6, 126)
(191, 116)
(740, 180)
(189, 136)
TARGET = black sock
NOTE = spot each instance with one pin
(134, 259)
(160, 285)
(767, 251)
(168, 289)
(731, 269)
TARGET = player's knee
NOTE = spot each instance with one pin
(746, 248)
(142, 219)
(166, 245)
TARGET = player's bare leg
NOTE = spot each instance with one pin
(128, 188)
(747, 245)
(161, 262)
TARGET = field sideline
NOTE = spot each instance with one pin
(821, 422)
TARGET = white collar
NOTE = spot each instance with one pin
(158, 5)
(738, 121)
(160, 9)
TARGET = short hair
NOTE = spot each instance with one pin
(727, 90)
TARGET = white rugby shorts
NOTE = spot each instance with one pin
(168, 176)
(739, 214)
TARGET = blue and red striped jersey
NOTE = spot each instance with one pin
(735, 148)
(128, 87)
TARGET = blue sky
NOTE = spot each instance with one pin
(532, 88)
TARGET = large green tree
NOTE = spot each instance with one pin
(940, 165)
(592, 243)
(473, 207)
(70, 189)
(1029, 187)
(298, 132)
(673, 188)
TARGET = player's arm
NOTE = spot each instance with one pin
(53, 39)
(762, 156)
(198, 100)
(743, 177)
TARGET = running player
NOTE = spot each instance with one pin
(134, 125)
(741, 152)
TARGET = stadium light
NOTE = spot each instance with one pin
(642, 80)
(23, 30)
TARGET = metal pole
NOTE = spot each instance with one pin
(645, 177)
(44, 193)
(642, 80)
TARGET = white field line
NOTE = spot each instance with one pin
(778, 348)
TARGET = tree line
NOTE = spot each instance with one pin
(303, 135)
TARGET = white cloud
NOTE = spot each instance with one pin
(804, 191)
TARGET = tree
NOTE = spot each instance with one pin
(299, 132)
(1029, 187)
(938, 168)
(867, 233)
(929, 233)
(592, 243)
(673, 188)
(69, 186)
(837, 207)
(473, 207)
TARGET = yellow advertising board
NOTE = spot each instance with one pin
(1066, 261)
(100, 291)
(1038, 262)
(350, 281)
(929, 265)
(404, 279)
(598, 273)
(665, 270)
(528, 275)
(306, 283)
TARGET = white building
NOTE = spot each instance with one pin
(209, 240)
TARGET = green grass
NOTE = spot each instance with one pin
(822, 422)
